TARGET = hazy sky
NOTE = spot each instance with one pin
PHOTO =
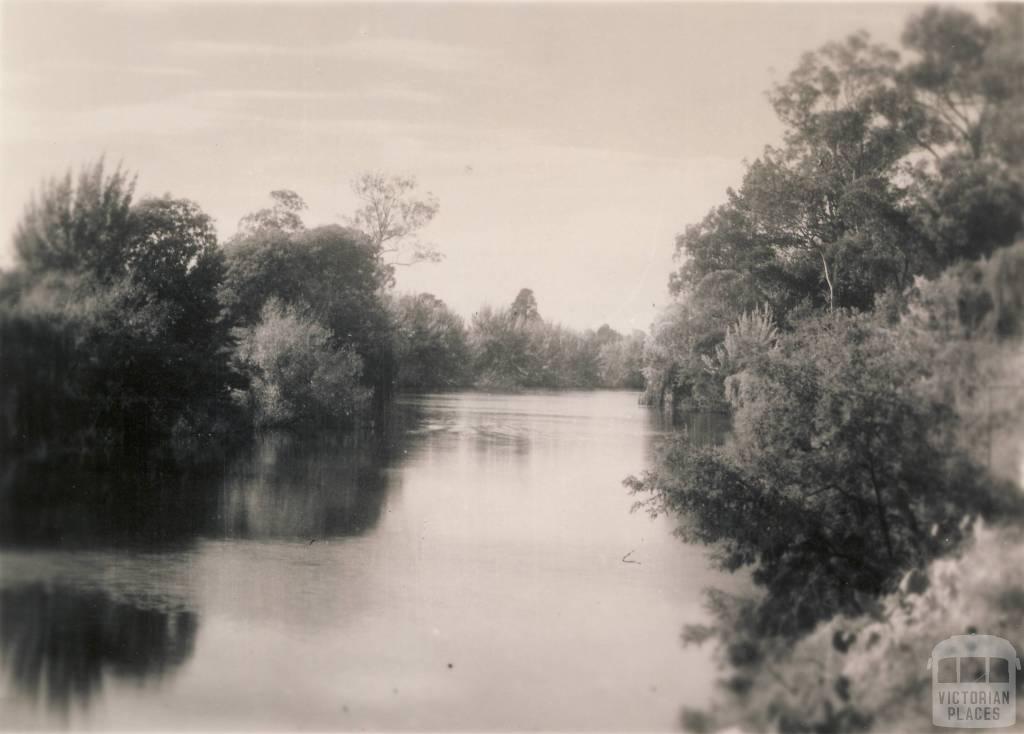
(567, 144)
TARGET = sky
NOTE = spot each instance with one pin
(567, 143)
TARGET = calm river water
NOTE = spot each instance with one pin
(463, 571)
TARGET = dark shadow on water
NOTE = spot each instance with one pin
(81, 502)
(281, 485)
(704, 429)
(62, 638)
(697, 428)
(288, 486)
(58, 643)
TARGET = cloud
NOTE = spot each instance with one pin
(173, 116)
(422, 54)
(193, 112)
(178, 115)
(366, 92)
(428, 55)
(236, 48)
(141, 69)
(402, 94)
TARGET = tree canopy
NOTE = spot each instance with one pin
(889, 169)
(392, 214)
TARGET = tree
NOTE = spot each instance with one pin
(119, 300)
(173, 262)
(825, 216)
(1004, 61)
(967, 208)
(300, 373)
(392, 215)
(829, 193)
(514, 348)
(855, 459)
(431, 347)
(285, 215)
(949, 79)
(674, 373)
(848, 209)
(753, 334)
(77, 225)
(605, 334)
(841, 473)
(501, 356)
(964, 81)
(327, 274)
(172, 246)
(727, 241)
(524, 308)
(687, 334)
(621, 362)
(558, 357)
(260, 266)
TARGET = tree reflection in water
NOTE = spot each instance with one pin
(282, 485)
(293, 486)
(67, 625)
(58, 643)
(86, 502)
(289, 486)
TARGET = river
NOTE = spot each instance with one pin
(474, 567)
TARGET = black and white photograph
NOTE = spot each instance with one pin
(511, 366)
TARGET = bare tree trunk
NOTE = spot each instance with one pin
(828, 279)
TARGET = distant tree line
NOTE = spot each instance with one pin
(852, 306)
(508, 348)
(515, 347)
(125, 320)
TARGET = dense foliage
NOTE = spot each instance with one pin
(329, 275)
(515, 347)
(111, 327)
(842, 472)
(888, 170)
(300, 373)
(865, 671)
(856, 307)
(125, 321)
(431, 344)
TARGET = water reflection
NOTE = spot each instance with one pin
(480, 542)
(704, 429)
(282, 485)
(58, 643)
(85, 502)
(313, 487)
(101, 556)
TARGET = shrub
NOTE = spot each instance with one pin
(299, 373)
(841, 474)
